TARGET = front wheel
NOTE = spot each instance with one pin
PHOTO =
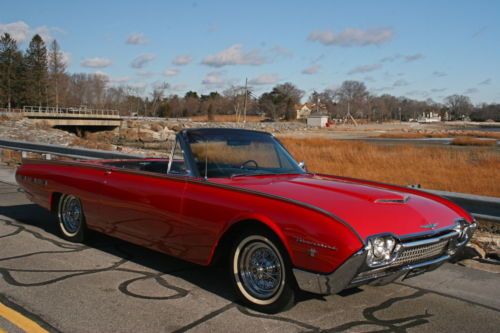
(261, 273)
(71, 218)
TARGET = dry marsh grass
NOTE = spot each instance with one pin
(445, 134)
(470, 170)
(228, 118)
(471, 141)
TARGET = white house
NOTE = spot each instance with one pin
(429, 117)
(317, 120)
(303, 110)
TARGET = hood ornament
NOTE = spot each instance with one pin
(430, 226)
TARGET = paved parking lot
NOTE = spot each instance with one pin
(108, 285)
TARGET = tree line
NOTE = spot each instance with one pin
(38, 77)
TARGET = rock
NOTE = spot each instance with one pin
(474, 251)
(128, 134)
(146, 135)
(166, 134)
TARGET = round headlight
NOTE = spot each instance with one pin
(381, 248)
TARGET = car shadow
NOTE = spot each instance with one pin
(214, 279)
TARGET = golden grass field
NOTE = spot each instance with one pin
(228, 118)
(474, 170)
(447, 134)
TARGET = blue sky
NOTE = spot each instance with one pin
(418, 49)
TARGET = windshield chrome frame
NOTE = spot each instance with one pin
(189, 159)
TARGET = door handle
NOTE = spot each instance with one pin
(107, 172)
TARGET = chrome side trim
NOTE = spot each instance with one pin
(326, 284)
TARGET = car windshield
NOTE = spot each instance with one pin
(245, 153)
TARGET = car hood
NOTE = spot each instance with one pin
(369, 209)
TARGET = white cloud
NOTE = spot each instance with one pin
(181, 60)
(96, 62)
(66, 58)
(265, 79)
(145, 74)
(136, 38)
(119, 80)
(171, 72)
(352, 37)
(421, 93)
(138, 85)
(234, 55)
(18, 30)
(179, 87)
(214, 79)
(413, 57)
(406, 58)
(400, 83)
(471, 91)
(142, 60)
(103, 74)
(485, 82)
(439, 74)
(281, 51)
(365, 69)
(21, 31)
(311, 70)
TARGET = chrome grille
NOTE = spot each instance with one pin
(418, 253)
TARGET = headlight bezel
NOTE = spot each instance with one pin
(381, 250)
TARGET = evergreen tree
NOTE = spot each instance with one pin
(10, 61)
(36, 64)
(57, 69)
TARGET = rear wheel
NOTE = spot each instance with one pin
(261, 273)
(71, 218)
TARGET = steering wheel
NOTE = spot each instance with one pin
(243, 165)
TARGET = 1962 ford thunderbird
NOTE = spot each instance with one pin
(238, 194)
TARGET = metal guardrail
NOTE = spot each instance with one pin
(57, 150)
(481, 207)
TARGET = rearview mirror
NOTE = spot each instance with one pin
(303, 165)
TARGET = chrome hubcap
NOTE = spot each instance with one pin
(71, 214)
(260, 270)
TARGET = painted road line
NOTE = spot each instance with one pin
(19, 320)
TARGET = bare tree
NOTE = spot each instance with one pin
(459, 106)
(236, 98)
(157, 95)
(353, 94)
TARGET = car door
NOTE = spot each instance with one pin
(146, 205)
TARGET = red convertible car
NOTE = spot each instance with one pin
(238, 194)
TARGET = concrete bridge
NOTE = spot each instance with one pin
(70, 117)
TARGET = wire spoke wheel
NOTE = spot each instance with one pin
(259, 270)
(70, 215)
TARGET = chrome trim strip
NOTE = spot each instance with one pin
(428, 241)
(327, 284)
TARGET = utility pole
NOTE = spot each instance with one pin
(349, 115)
(245, 102)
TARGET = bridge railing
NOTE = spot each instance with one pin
(69, 111)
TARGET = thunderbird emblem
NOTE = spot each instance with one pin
(431, 226)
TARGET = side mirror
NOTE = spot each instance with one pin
(303, 165)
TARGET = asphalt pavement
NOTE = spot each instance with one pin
(107, 285)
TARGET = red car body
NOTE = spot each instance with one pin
(322, 221)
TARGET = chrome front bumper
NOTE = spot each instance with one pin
(355, 272)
